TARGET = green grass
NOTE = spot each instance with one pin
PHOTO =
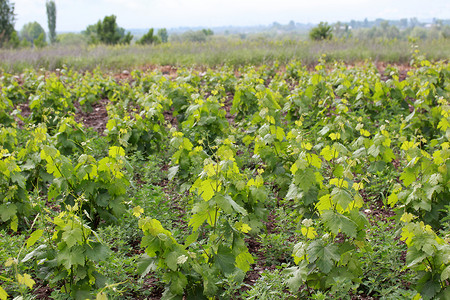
(216, 52)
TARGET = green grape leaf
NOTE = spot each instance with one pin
(7, 211)
(3, 294)
(408, 176)
(19, 179)
(115, 151)
(223, 203)
(207, 189)
(341, 196)
(324, 203)
(72, 236)
(199, 217)
(359, 218)
(178, 282)
(244, 260)
(414, 257)
(172, 260)
(226, 202)
(328, 153)
(296, 276)
(146, 264)
(187, 144)
(34, 237)
(103, 199)
(445, 274)
(101, 296)
(210, 286)
(258, 193)
(435, 179)
(374, 150)
(97, 251)
(66, 167)
(293, 192)
(305, 179)
(69, 257)
(310, 197)
(224, 260)
(299, 252)
(280, 134)
(336, 222)
(25, 279)
(323, 255)
(338, 171)
(316, 161)
(388, 155)
(152, 244)
(430, 289)
(40, 250)
(172, 172)
(444, 294)
(153, 226)
(14, 223)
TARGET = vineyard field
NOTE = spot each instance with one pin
(287, 181)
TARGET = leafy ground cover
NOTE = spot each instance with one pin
(284, 182)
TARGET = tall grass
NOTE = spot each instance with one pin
(216, 52)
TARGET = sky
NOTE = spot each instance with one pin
(76, 15)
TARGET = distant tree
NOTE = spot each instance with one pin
(291, 25)
(413, 22)
(40, 41)
(51, 19)
(366, 23)
(14, 41)
(384, 25)
(193, 36)
(445, 32)
(126, 38)
(107, 32)
(276, 25)
(208, 32)
(7, 19)
(163, 35)
(91, 34)
(24, 43)
(32, 31)
(148, 38)
(404, 23)
(342, 30)
(419, 33)
(323, 31)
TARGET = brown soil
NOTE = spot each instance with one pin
(168, 70)
(170, 119)
(403, 70)
(227, 106)
(96, 119)
(25, 112)
(42, 292)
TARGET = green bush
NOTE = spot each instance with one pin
(149, 38)
(323, 31)
(107, 32)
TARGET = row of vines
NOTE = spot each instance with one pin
(239, 143)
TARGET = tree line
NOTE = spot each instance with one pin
(105, 31)
(31, 34)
